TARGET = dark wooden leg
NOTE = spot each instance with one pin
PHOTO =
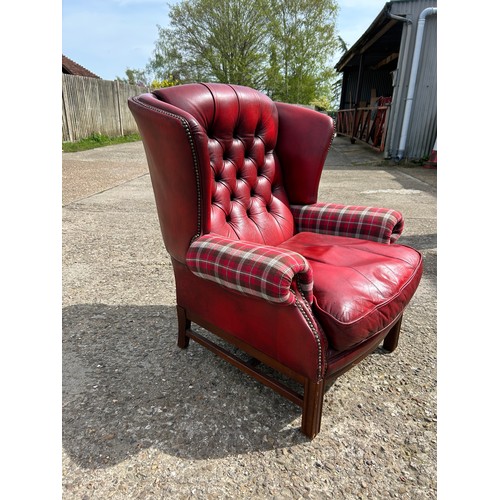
(391, 341)
(184, 324)
(312, 407)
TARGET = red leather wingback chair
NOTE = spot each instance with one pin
(306, 288)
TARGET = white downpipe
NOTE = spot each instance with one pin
(413, 78)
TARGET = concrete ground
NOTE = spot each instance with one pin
(145, 419)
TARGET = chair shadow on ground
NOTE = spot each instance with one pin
(127, 386)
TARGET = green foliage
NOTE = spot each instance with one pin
(211, 40)
(322, 103)
(282, 47)
(96, 140)
(336, 87)
(134, 77)
(303, 41)
(167, 82)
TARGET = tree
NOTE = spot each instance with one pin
(303, 40)
(282, 47)
(212, 40)
(336, 89)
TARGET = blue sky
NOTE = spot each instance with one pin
(107, 36)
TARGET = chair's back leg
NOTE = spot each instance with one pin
(184, 324)
(312, 407)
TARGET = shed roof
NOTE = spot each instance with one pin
(382, 38)
(72, 68)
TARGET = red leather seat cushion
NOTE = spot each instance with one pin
(360, 286)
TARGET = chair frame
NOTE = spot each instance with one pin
(311, 400)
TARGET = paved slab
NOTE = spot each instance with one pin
(86, 173)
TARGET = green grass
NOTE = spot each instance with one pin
(97, 141)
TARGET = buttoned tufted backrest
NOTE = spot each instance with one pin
(234, 131)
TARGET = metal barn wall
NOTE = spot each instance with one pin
(422, 132)
(423, 126)
(92, 105)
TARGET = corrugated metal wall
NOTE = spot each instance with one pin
(91, 105)
(422, 132)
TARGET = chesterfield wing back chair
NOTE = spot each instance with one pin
(306, 288)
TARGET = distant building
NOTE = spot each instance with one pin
(389, 85)
(70, 67)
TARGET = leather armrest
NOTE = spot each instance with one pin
(377, 224)
(261, 271)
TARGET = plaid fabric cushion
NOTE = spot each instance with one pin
(258, 270)
(376, 224)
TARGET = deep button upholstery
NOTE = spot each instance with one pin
(247, 202)
(247, 197)
(360, 286)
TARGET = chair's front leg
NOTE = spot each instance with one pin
(391, 340)
(312, 407)
(184, 325)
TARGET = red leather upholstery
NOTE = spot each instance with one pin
(178, 167)
(359, 286)
(289, 334)
(247, 197)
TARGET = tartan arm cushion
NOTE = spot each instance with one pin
(377, 224)
(252, 269)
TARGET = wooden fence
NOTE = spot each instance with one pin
(91, 105)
